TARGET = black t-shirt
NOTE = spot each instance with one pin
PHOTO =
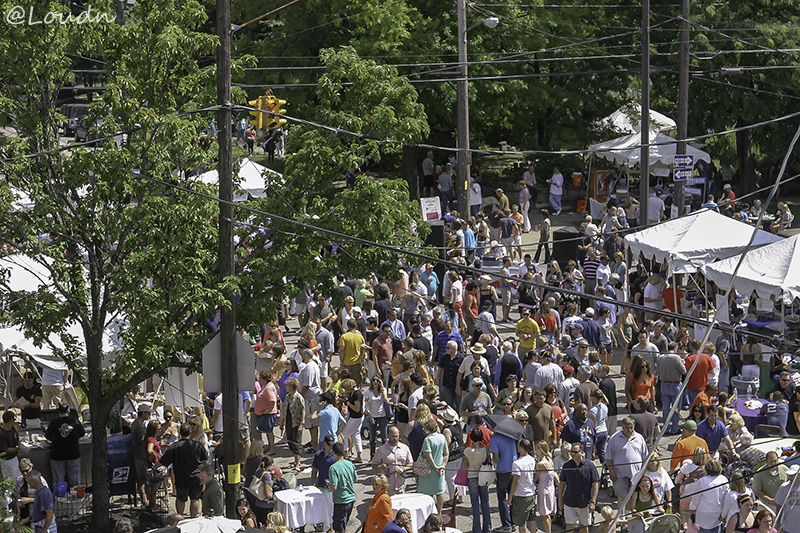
(64, 433)
(30, 395)
(186, 456)
(791, 425)
(355, 396)
(8, 439)
(421, 343)
(509, 364)
(491, 358)
(382, 307)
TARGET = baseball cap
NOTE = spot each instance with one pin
(486, 305)
(329, 440)
(569, 370)
(63, 407)
(690, 424)
(477, 381)
(583, 342)
(303, 342)
(589, 311)
(143, 408)
(727, 186)
(357, 309)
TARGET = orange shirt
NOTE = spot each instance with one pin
(643, 389)
(701, 398)
(684, 449)
(699, 378)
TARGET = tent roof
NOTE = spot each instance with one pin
(250, 179)
(770, 271)
(628, 119)
(627, 150)
(695, 240)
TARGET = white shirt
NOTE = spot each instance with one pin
(556, 183)
(713, 376)
(485, 322)
(707, 503)
(789, 500)
(475, 197)
(524, 468)
(655, 208)
(466, 365)
(309, 376)
(52, 377)
(603, 275)
(653, 292)
(414, 399)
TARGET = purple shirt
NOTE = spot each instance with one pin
(712, 436)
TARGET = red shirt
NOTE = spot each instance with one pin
(487, 436)
(669, 301)
(699, 378)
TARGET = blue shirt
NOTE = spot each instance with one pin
(41, 503)
(398, 329)
(712, 436)
(469, 239)
(506, 449)
(777, 415)
(579, 480)
(322, 462)
(328, 422)
(431, 282)
(441, 341)
(394, 527)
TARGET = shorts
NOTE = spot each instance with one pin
(312, 406)
(140, 465)
(324, 366)
(523, 510)
(341, 516)
(505, 296)
(300, 309)
(507, 241)
(266, 422)
(192, 492)
(427, 181)
(517, 240)
(244, 434)
(575, 515)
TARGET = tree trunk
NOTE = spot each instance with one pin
(747, 160)
(100, 407)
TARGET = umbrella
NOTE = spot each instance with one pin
(214, 524)
(505, 425)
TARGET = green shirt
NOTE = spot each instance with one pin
(213, 498)
(768, 483)
(342, 475)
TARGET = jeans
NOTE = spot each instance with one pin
(691, 394)
(379, 426)
(447, 200)
(479, 499)
(600, 445)
(712, 530)
(555, 201)
(669, 395)
(503, 487)
(481, 247)
(724, 379)
(474, 209)
(448, 396)
(542, 246)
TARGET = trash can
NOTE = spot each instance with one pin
(565, 244)
(121, 473)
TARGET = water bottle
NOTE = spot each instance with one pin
(749, 392)
(734, 398)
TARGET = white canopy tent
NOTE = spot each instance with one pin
(628, 119)
(251, 180)
(771, 271)
(627, 150)
(694, 240)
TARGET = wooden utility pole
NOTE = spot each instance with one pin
(683, 99)
(460, 184)
(231, 405)
(644, 159)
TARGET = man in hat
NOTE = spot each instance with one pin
(466, 365)
(138, 428)
(476, 401)
(64, 434)
(31, 392)
(787, 502)
(686, 444)
(728, 196)
(567, 387)
(323, 459)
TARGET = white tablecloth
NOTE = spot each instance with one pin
(304, 506)
(771, 444)
(420, 505)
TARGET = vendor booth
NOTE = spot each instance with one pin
(252, 180)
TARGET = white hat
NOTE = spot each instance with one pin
(615, 276)
(494, 244)
(792, 470)
(357, 309)
(727, 186)
(478, 349)
(589, 311)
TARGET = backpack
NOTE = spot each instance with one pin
(279, 484)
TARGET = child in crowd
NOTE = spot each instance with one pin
(777, 411)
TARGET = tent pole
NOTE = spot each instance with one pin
(783, 316)
(674, 295)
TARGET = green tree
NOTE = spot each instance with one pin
(120, 246)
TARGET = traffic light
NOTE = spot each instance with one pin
(260, 117)
(276, 106)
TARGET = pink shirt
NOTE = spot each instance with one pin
(265, 395)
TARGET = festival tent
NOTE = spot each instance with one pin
(251, 180)
(771, 271)
(626, 150)
(694, 240)
(629, 120)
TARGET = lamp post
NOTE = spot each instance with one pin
(462, 108)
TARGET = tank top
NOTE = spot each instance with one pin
(456, 447)
(741, 527)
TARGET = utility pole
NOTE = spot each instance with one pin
(119, 7)
(231, 405)
(462, 181)
(683, 98)
(644, 159)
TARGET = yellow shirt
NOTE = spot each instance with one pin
(350, 344)
(527, 326)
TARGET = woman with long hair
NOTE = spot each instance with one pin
(689, 474)
(433, 524)
(375, 401)
(763, 522)
(548, 324)
(525, 399)
(545, 479)
(641, 381)
(309, 333)
(698, 413)
(155, 477)
(511, 391)
(401, 412)
(290, 370)
(662, 483)
(457, 293)
(599, 415)
(351, 433)
(530, 364)
(631, 211)
(626, 324)
(421, 365)
(643, 503)
(415, 432)
(246, 515)
(736, 489)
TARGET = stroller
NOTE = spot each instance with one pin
(663, 523)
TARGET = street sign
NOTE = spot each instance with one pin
(695, 181)
(431, 208)
(682, 174)
(683, 161)
(692, 190)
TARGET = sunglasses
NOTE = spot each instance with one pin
(573, 452)
(507, 404)
(167, 418)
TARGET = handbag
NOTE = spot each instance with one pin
(256, 488)
(487, 474)
(461, 477)
(422, 468)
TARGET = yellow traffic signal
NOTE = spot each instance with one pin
(260, 117)
(268, 102)
(276, 106)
